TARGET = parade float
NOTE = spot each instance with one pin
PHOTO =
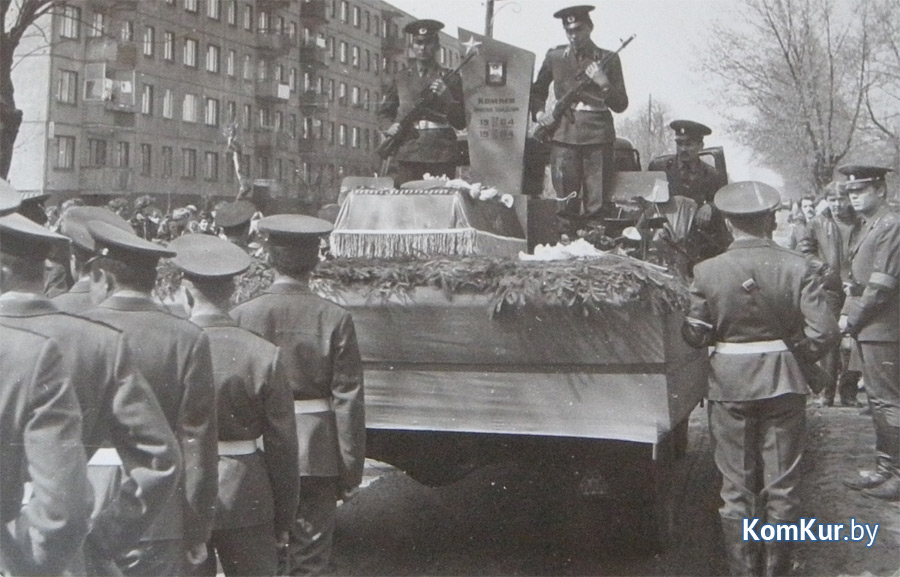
(481, 344)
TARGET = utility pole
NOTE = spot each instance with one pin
(489, 19)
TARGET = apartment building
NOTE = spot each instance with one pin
(126, 98)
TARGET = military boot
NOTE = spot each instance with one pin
(743, 557)
(778, 558)
(888, 441)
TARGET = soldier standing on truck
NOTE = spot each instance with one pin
(692, 178)
(321, 362)
(763, 309)
(432, 148)
(581, 152)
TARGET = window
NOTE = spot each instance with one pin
(168, 104)
(169, 46)
(331, 132)
(96, 152)
(213, 9)
(292, 79)
(231, 111)
(354, 57)
(292, 31)
(263, 25)
(67, 87)
(147, 100)
(342, 135)
(146, 159)
(331, 89)
(211, 116)
(279, 169)
(231, 12)
(247, 118)
(279, 121)
(123, 154)
(354, 137)
(262, 71)
(355, 19)
(229, 63)
(98, 25)
(189, 108)
(366, 96)
(265, 118)
(188, 163)
(190, 5)
(342, 93)
(345, 9)
(211, 166)
(212, 58)
(65, 152)
(279, 74)
(343, 52)
(190, 52)
(167, 162)
(247, 71)
(126, 34)
(368, 60)
(69, 23)
(292, 129)
(149, 40)
(354, 95)
(262, 166)
(368, 21)
(366, 140)
(248, 18)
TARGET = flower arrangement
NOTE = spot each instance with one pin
(477, 191)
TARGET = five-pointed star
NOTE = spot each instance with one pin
(470, 44)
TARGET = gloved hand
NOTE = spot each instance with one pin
(595, 72)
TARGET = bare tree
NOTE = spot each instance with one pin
(883, 94)
(794, 74)
(15, 20)
(648, 129)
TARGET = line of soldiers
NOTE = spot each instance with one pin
(765, 312)
(136, 442)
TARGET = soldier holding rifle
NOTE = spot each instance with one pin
(431, 146)
(581, 155)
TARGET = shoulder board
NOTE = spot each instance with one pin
(92, 321)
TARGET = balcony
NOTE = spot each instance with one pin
(313, 11)
(107, 5)
(272, 91)
(104, 180)
(393, 45)
(311, 99)
(312, 54)
(273, 42)
(271, 139)
(121, 55)
(107, 117)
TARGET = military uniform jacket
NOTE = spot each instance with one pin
(77, 300)
(118, 410)
(253, 401)
(695, 180)
(874, 315)
(405, 89)
(758, 291)
(320, 358)
(40, 441)
(562, 67)
(173, 355)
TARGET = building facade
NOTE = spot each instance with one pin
(126, 98)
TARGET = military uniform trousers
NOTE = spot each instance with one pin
(585, 169)
(880, 362)
(757, 446)
(313, 530)
(246, 551)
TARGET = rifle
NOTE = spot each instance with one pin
(546, 127)
(391, 144)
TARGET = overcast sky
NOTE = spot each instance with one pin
(661, 61)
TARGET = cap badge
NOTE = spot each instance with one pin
(423, 31)
(570, 18)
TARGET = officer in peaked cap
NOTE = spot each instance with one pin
(324, 370)
(234, 219)
(122, 418)
(10, 199)
(743, 303)
(582, 155)
(870, 315)
(73, 224)
(690, 177)
(123, 276)
(432, 146)
(258, 491)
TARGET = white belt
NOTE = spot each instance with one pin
(427, 125)
(751, 348)
(312, 406)
(105, 457)
(235, 448)
(589, 107)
